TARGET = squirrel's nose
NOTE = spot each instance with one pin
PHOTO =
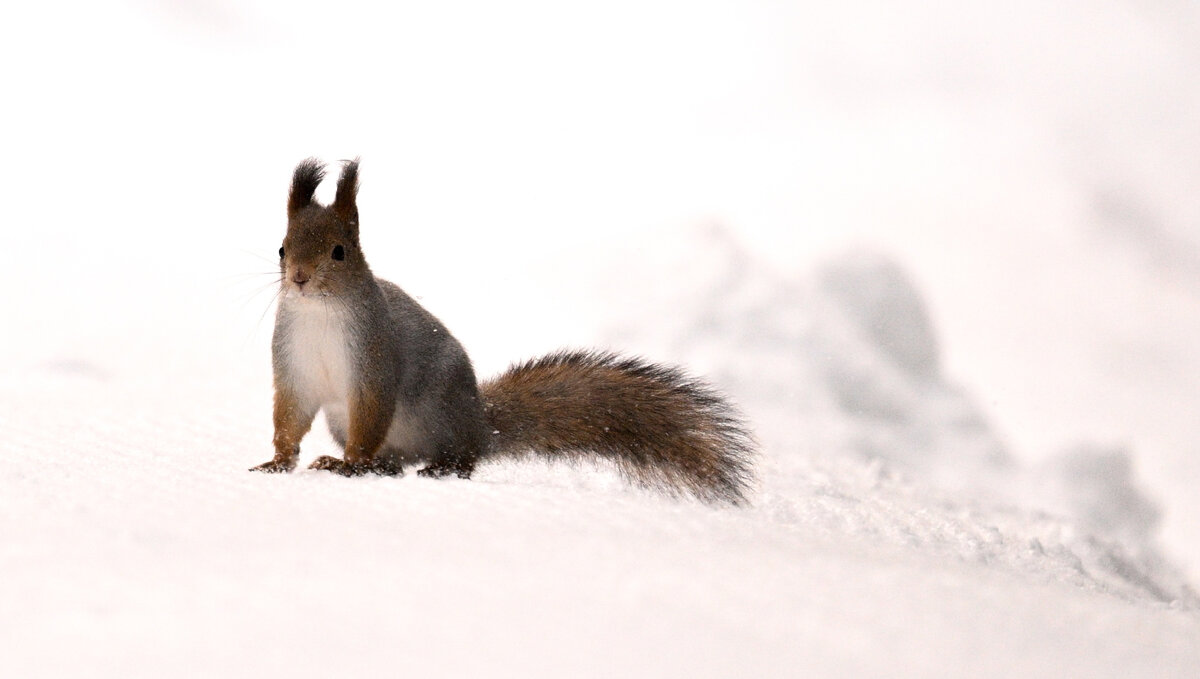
(300, 277)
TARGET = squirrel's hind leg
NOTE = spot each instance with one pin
(462, 467)
(458, 461)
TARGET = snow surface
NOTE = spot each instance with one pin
(945, 258)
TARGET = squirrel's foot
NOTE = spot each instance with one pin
(443, 468)
(330, 463)
(275, 467)
(387, 467)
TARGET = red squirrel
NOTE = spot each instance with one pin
(397, 388)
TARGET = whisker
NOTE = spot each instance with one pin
(235, 285)
(258, 285)
(270, 303)
(258, 291)
(253, 332)
(248, 274)
(272, 262)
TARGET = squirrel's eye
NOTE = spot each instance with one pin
(339, 253)
(281, 253)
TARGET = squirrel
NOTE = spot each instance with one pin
(397, 388)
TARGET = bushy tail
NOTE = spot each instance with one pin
(663, 429)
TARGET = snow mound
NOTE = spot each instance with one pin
(1095, 485)
(841, 373)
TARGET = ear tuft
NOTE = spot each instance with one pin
(305, 179)
(347, 191)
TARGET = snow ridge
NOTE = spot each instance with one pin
(841, 373)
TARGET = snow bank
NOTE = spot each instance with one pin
(845, 362)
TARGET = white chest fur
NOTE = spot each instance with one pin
(316, 350)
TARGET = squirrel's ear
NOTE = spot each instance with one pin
(305, 179)
(347, 192)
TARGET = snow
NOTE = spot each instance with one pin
(138, 545)
(944, 258)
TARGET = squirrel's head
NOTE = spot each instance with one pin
(320, 256)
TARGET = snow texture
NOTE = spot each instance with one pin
(944, 258)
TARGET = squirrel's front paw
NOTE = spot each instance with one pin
(330, 463)
(275, 467)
